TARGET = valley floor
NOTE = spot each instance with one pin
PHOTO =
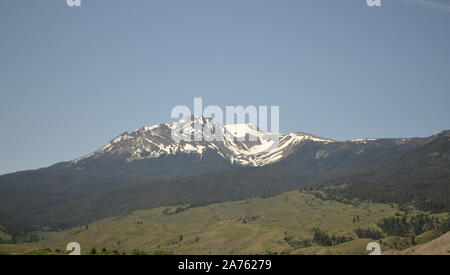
(275, 225)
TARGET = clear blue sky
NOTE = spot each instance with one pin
(71, 79)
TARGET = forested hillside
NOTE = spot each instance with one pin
(420, 176)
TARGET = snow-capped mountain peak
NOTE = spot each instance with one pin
(242, 144)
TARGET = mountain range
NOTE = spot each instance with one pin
(240, 144)
(147, 168)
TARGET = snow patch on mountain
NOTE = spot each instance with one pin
(363, 140)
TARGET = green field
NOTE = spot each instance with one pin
(4, 236)
(257, 226)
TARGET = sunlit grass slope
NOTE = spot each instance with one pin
(256, 226)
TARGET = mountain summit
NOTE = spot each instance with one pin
(241, 144)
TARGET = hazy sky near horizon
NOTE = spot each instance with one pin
(71, 79)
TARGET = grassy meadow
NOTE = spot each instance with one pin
(275, 225)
